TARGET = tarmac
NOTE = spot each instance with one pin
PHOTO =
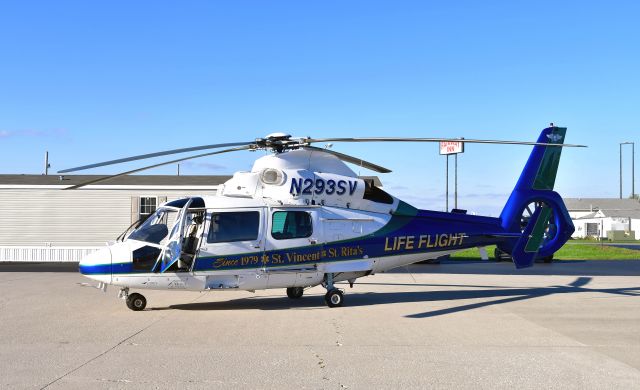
(480, 325)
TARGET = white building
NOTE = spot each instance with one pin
(43, 222)
(604, 217)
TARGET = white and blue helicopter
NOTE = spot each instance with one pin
(301, 217)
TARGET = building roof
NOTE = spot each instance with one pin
(633, 214)
(127, 180)
(616, 208)
(589, 216)
(593, 204)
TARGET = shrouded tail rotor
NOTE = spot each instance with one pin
(534, 209)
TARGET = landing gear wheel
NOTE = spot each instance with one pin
(136, 302)
(501, 255)
(548, 259)
(295, 292)
(334, 298)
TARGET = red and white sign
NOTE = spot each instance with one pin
(451, 147)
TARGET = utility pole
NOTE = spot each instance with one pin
(178, 169)
(620, 171)
(633, 163)
(633, 173)
(46, 163)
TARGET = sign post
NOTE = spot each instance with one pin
(447, 148)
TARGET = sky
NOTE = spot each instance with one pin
(94, 81)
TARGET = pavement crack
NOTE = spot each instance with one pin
(338, 329)
(321, 364)
(321, 361)
(102, 354)
(121, 342)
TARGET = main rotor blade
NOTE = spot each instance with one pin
(156, 154)
(465, 140)
(353, 160)
(105, 178)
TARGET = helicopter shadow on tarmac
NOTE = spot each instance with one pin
(558, 267)
(502, 295)
(9, 266)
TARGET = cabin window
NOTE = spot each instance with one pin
(291, 224)
(148, 205)
(234, 226)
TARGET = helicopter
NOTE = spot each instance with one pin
(301, 218)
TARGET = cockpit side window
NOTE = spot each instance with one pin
(234, 226)
(291, 224)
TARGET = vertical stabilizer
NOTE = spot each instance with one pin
(533, 208)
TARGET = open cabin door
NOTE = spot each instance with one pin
(172, 251)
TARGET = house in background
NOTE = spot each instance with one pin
(605, 218)
(42, 222)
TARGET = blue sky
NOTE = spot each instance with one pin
(90, 81)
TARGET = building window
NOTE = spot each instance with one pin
(234, 226)
(291, 224)
(593, 229)
(148, 205)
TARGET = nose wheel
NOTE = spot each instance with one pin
(135, 301)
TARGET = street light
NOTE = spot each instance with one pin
(633, 163)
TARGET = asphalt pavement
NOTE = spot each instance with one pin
(480, 325)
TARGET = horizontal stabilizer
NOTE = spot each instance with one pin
(349, 266)
(503, 234)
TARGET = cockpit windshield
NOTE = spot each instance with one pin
(173, 235)
(155, 229)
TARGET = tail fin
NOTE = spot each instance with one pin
(534, 208)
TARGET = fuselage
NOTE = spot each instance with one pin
(290, 221)
(266, 254)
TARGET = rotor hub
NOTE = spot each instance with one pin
(278, 142)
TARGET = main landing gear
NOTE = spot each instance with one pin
(135, 301)
(333, 297)
(295, 292)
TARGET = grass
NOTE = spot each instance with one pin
(570, 251)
